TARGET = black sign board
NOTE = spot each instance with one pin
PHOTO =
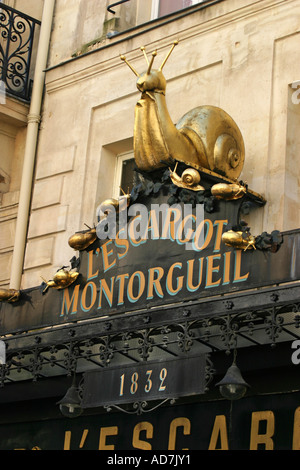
(144, 381)
(263, 422)
(119, 275)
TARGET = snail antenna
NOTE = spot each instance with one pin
(144, 52)
(168, 55)
(154, 54)
(122, 57)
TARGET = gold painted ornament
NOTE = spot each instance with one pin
(9, 295)
(82, 240)
(110, 205)
(189, 179)
(61, 279)
(238, 240)
(228, 192)
(206, 136)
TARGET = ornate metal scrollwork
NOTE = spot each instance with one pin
(274, 323)
(204, 334)
(140, 407)
(17, 34)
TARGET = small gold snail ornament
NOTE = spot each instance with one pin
(82, 240)
(9, 295)
(108, 206)
(229, 192)
(189, 179)
(111, 205)
(61, 279)
(238, 240)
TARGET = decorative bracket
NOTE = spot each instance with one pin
(140, 407)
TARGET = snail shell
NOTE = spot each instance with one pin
(107, 205)
(189, 179)
(110, 205)
(217, 138)
(61, 279)
(82, 240)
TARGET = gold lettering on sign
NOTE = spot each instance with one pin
(70, 302)
(154, 283)
(261, 433)
(220, 226)
(141, 286)
(68, 435)
(92, 274)
(136, 442)
(67, 442)
(237, 268)
(266, 438)
(296, 433)
(83, 439)
(104, 432)
(211, 268)
(177, 423)
(108, 292)
(106, 253)
(219, 430)
(170, 288)
(89, 294)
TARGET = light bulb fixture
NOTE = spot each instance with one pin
(233, 386)
(70, 404)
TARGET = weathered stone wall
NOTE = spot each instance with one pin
(13, 124)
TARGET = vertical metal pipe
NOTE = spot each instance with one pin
(30, 147)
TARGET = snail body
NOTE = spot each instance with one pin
(9, 295)
(228, 192)
(238, 240)
(62, 279)
(114, 205)
(204, 137)
(82, 240)
(189, 179)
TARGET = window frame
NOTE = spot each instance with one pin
(121, 158)
(155, 8)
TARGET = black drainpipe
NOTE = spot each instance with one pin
(109, 8)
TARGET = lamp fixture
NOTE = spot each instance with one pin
(70, 404)
(233, 386)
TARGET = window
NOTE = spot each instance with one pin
(165, 7)
(125, 175)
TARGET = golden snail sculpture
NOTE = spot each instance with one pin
(205, 137)
(108, 205)
(61, 279)
(112, 204)
(9, 295)
(189, 179)
(238, 240)
(82, 240)
(228, 192)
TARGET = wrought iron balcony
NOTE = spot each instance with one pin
(17, 32)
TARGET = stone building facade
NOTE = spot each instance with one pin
(68, 145)
(239, 55)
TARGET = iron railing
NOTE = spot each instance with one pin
(249, 320)
(17, 32)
